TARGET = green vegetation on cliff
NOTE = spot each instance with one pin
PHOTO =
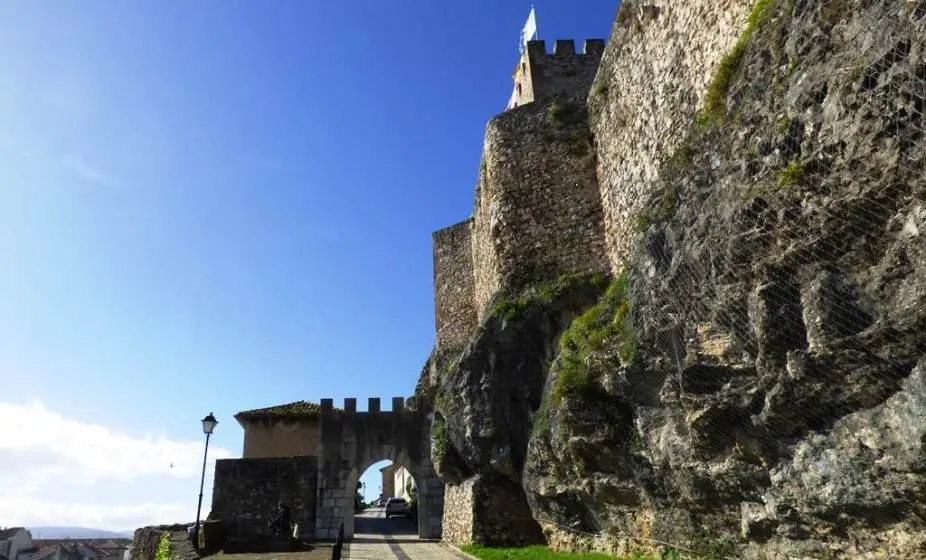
(715, 100)
(164, 548)
(608, 320)
(547, 294)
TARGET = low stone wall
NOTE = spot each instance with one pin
(247, 491)
(489, 510)
(458, 513)
(146, 540)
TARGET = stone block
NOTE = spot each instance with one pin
(398, 404)
(350, 405)
(373, 404)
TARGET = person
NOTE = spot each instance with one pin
(281, 522)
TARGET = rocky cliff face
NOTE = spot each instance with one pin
(778, 297)
(484, 408)
(754, 385)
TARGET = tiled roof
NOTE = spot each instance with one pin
(298, 409)
(45, 552)
(9, 532)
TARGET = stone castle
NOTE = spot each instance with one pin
(538, 207)
(544, 206)
(565, 177)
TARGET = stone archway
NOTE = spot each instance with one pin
(398, 458)
(351, 441)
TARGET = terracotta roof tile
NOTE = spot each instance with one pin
(298, 409)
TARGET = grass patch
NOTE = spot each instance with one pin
(511, 309)
(792, 174)
(441, 441)
(546, 293)
(783, 124)
(715, 100)
(608, 319)
(537, 552)
(164, 548)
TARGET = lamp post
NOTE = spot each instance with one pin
(209, 423)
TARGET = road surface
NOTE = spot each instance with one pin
(378, 538)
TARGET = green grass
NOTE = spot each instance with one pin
(441, 439)
(715, 100)
(164, 547)
(609, 319)
(546, 293)
(537, 552)
(792, 173)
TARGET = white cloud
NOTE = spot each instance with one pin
(87, 172)
(133, 481)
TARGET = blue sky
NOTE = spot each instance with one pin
(217, 206)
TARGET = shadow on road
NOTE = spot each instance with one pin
(372, 522)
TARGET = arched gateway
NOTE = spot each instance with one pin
(351, 441)
(309, 458)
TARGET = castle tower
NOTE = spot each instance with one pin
(565, 72)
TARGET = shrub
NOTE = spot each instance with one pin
(792, 173)
(164, 548)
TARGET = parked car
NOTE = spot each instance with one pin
(396, 506)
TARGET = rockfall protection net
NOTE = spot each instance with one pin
(783, 264)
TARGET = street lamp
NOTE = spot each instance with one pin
(209, 423)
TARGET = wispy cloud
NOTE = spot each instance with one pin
(43, 453)
(86, 172)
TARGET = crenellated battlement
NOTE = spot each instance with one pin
(566, 48)
(400, 405)
(562, 72)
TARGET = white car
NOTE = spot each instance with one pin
(396, 506)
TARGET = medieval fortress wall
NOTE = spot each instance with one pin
(454, 299)
(558, 191)
(652, 82)
(537, 210)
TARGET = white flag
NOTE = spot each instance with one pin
(529, 32)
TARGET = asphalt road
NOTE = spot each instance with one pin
(373, 521)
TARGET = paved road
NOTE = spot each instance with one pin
(378, 538)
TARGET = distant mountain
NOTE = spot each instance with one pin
(77, 533)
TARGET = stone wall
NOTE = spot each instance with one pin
(565, 72)
(455, 312)
(538, 210)
(281, 437)
(458, 513)
(353, 441)
(246, 493)
(651, 83)
(490, 510)
(146, 540)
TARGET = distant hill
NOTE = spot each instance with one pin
(77, 533)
